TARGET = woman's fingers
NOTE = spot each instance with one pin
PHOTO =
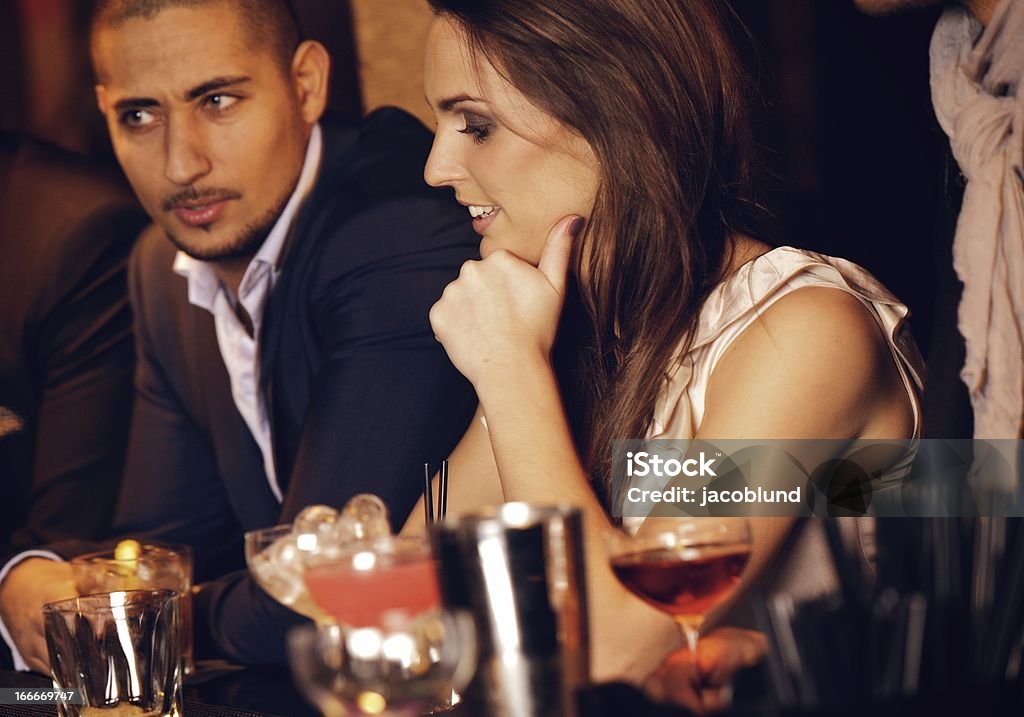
(676, 681)
(502, 308)
(554, 259)
(726, 651)
(704, 683)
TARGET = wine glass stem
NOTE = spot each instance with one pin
(690, 626)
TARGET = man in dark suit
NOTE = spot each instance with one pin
(285, 355)
(66, 354)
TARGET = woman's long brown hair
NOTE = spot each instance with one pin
(657, 90)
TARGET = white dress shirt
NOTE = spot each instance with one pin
(239, 350)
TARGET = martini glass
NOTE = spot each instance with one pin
(685, 569)
(278, 556)
(370, 584)
(381, 585)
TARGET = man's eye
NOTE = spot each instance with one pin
(137, 119)
(220, 102)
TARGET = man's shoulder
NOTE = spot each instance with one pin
(32, 165)
(371, 201)
(64, 223)
(382, 159)
(93, 213)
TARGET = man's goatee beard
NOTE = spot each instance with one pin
(246, 243)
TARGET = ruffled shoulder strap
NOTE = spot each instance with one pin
(740, 298)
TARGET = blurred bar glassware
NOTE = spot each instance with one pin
(378, 584)
(147, 566)
(121, 651)
(518, 569)
(826, 653)
(401, 670)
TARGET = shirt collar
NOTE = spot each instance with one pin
(203, 284)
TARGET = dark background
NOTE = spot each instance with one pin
(850, 142)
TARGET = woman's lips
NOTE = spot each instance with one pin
(201, 214)
(481, 223)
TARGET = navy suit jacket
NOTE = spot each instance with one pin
(360, 392)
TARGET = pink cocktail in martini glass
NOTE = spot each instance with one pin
(370, 585)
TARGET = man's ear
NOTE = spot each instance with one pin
(101, 99)
(311, 71)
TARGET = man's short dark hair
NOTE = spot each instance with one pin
(270, 23)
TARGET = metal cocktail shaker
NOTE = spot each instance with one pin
(519, 570)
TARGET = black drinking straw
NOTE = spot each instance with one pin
(442, 497)
(428, 495)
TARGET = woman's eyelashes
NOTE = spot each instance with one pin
(477, 126)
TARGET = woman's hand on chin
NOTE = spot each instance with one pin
(501, 314)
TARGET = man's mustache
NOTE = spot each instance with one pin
(192, 196)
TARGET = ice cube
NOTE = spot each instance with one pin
(145, 570)
(365, 506)
(278, 570)
(313, 526)
(370, 516)
(346, 531)
(283, 552)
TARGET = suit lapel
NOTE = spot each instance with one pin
(235, 450)
(285, 363)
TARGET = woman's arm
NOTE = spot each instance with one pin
(813, 366)
(498, 323)
(472, 478)
(538, 463)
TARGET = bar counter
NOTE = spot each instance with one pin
(269, 692)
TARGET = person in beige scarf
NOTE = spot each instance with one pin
(977, 63)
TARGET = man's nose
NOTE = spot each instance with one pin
(187, 160)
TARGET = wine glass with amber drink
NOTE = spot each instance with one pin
(685, 567)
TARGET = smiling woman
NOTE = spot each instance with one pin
(604, 150)
(492, 133)
(212, 136)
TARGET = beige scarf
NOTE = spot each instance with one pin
(975, 93)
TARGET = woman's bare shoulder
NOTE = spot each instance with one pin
(814, 364)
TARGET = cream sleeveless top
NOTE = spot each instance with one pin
(804, 569)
